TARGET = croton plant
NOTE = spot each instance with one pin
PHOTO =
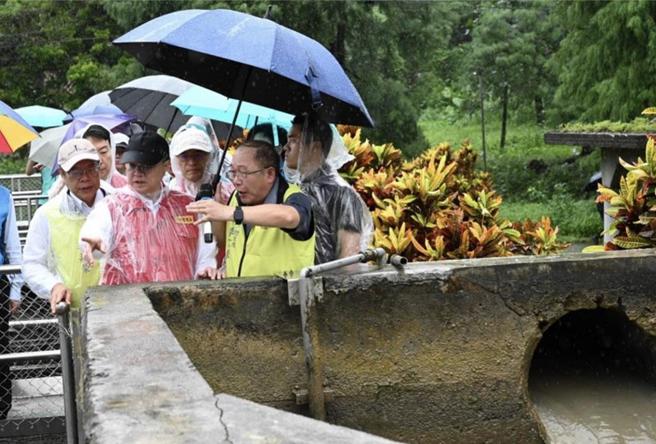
(633, 207)
(437, 205)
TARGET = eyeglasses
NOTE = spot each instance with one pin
(232, 175)
(80, 173)
(140, 167)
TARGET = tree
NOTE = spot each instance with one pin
(388, 49)
(58, 53)
(511, 43)
(606, 62)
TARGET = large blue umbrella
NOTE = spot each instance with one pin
(248, 58)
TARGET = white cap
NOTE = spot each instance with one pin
(74, 150)
(120, 138)
(190, 139)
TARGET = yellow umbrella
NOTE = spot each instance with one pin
(14, 131)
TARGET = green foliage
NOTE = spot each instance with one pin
(605, 60)
(577, 219)
(509, 43)
(390, 51)
(58, 53)
(13, 163)
(637, 125)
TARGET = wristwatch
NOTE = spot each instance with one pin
(238, 216)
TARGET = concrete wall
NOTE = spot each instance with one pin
(439, 352)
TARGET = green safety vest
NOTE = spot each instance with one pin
(268, 251)
(64, 243)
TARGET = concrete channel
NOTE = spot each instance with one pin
(453, 351)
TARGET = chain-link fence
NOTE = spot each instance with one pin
(31, 391)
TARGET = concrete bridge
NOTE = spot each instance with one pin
(433, 352)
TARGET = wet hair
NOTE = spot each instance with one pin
(265, 155)
(317, 130)
(266, 130)
(97, 132)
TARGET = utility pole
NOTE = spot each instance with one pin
(482, 97)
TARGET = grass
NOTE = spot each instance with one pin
(577, 222)
(535, 179)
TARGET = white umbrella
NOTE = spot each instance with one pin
(100, 99)
(44, 148)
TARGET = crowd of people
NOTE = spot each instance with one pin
(125, 210)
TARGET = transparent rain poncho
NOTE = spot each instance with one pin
(147, 238)
(343, 224)
(199, 131)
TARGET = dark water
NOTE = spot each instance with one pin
(592, 380)
(580, 409)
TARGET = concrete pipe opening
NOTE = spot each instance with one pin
(593, 379)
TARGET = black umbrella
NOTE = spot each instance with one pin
(149, 98)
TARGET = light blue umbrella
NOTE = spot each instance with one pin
(202, 102)
(42, 116)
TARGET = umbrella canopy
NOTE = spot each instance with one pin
(93, 110)
(248, 58)
(44, 149)
(202, 102)
(149, 98)
(14, 130)
(42, 116)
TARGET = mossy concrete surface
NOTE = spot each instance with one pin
(137, 385)
(437, 352)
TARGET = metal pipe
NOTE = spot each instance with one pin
(10, 269)
(68, 377)
(397, 260)
(364, 256)
(32, 323)
(13, 358)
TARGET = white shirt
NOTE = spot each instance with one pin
(99, 225)
(13, 251)
(39, 268)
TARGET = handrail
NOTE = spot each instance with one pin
(364, 256)
(68, 377)
(34, 356)
(10, 269)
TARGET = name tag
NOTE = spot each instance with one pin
(184, 220)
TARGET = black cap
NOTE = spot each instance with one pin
(148, 148)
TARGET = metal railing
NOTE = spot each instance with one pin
(25, 204)
(32, 397)
(21, 182)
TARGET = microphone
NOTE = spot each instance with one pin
(206, 192)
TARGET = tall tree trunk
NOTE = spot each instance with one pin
(338, 47)
(504, 115)
(539, 109)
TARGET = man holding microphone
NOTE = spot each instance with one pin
(144, 230)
